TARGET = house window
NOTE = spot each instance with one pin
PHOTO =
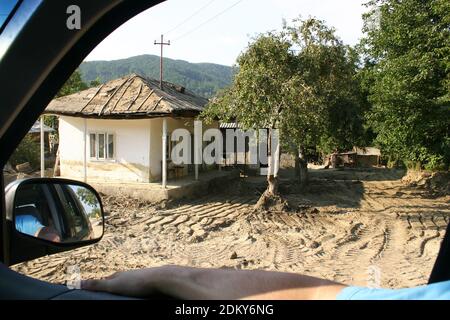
(93, 145)
(110, 146)
(101, 146)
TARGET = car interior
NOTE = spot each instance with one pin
(34, 26)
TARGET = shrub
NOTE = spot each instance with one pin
(413, 165)
(436, 163)
(27, 151)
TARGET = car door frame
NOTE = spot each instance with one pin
(42, 63)
(43, 52)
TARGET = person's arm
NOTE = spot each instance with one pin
(48, 233)
(194, 283)
(28, 224)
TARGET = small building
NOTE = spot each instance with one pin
(346, 159)
(35, 130)
(367, 157)
(358, 157)
(114, 132)
(35, 134)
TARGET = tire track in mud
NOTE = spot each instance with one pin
(377, 242)
(360, 226)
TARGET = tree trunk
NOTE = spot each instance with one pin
(271, 197)
(272, 172)
(301, 167)
(272, 187)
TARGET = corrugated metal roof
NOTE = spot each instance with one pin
(132, 96)
(367, 151)
(229, 125)
(36, 128)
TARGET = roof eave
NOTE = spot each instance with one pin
(128, 116)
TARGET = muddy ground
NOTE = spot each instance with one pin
(360, 227)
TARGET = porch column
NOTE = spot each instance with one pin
(42, 147)
(276, 160)
(275, 152)
(164, 153)
(85, 150)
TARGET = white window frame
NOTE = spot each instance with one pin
(106, 147)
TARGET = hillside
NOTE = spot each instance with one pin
(205, 79)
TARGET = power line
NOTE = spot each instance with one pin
(190, 17)
(209, 20)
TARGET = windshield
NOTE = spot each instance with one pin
(6, 7)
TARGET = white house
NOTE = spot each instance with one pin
(114, 132)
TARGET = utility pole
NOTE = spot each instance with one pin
(162, 44)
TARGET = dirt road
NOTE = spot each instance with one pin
(360, 227)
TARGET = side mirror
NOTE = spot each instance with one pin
(47, 216)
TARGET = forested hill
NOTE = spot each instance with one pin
(204, 79)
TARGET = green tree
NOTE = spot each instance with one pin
(407, 57)
(88, 198)
(329, 68)
(95, 83)
(262, 91)
(27, 151)
(73, 85)
(308, 94)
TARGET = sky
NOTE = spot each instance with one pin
(6, 6)
(217, 31)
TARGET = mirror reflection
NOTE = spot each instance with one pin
(59, 213)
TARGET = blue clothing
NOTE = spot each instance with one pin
(28, 224)
(435, 291)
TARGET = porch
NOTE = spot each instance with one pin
(186, 187)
